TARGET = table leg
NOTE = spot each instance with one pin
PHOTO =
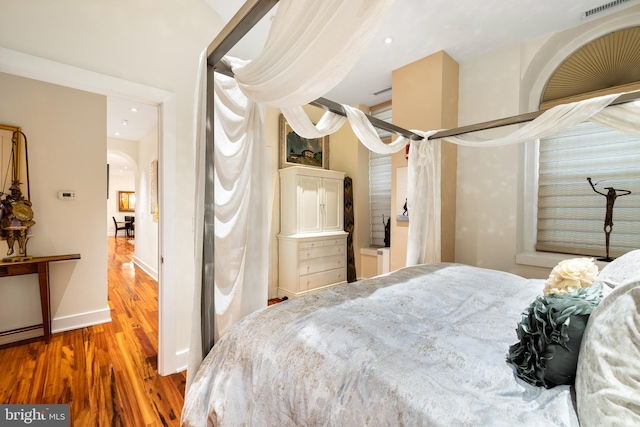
(43, 281)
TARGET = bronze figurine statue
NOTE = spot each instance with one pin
(611, 196)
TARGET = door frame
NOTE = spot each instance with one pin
(36, 68)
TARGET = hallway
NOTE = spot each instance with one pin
(107, 373)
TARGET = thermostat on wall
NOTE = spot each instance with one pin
(67, 195)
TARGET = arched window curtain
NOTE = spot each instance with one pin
(293, 80)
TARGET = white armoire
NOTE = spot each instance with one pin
(312, 241)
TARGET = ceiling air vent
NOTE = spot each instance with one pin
(382, 91)
(589, 13)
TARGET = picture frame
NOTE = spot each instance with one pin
(126, 201)
(298, 151)
(153, 190)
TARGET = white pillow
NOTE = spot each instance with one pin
(621, 270)
(608, 373)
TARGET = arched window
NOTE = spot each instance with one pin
(571, 215)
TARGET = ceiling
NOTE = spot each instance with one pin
(130, 120)
(464, 29)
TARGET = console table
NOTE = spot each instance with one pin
(35, 265)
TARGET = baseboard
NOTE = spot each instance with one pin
(182, 360)
(81, 320)
(62, 324)
(146, 268)
(20, 336)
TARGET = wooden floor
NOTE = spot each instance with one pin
(107, 373)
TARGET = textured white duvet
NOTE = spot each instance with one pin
(423, 346)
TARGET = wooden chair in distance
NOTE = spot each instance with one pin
(120, 226)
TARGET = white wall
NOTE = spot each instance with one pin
(155, 44)
(66, 131)
(494, 211)
(146, 252)
(120, 180)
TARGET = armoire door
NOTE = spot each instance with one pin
(333, 205)
(309, 204)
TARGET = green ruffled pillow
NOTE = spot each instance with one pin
(551, 328)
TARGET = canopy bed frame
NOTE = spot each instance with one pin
(218, 390)
(240, 24)
(254, 10)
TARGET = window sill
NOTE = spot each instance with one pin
(371, 251)
(549, 259)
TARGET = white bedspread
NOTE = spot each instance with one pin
(424, 346)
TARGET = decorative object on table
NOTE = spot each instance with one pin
(612, 194)
(551, 328)
(298, 151)
(16, 213)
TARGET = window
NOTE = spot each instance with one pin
(380, 182)
(571, 215)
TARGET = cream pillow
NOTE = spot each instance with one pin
(621, 270)
(608, 373)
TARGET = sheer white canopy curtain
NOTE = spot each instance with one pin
(311, 47)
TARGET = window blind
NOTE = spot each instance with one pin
(380, 182)
(571, 214)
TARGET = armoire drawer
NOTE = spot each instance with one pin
(322, 251)
(319, 243)
(316, 280)
(317, 265)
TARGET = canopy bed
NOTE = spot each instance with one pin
(231, 223)
(424, 345)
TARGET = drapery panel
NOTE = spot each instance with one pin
(311, 47)
(423, 187)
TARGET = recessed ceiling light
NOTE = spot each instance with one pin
(388, 40)
(125, 122)
(134, 109)
(117, 133)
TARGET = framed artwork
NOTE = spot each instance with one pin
(153, 190)
(126, 201)
(298, 151)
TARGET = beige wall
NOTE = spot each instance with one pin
(492, 198)
(66, 131)
(146, 252)
(425, 96)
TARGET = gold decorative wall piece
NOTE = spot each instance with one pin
(16, 213)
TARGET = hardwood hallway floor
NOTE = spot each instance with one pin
(107, 373)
